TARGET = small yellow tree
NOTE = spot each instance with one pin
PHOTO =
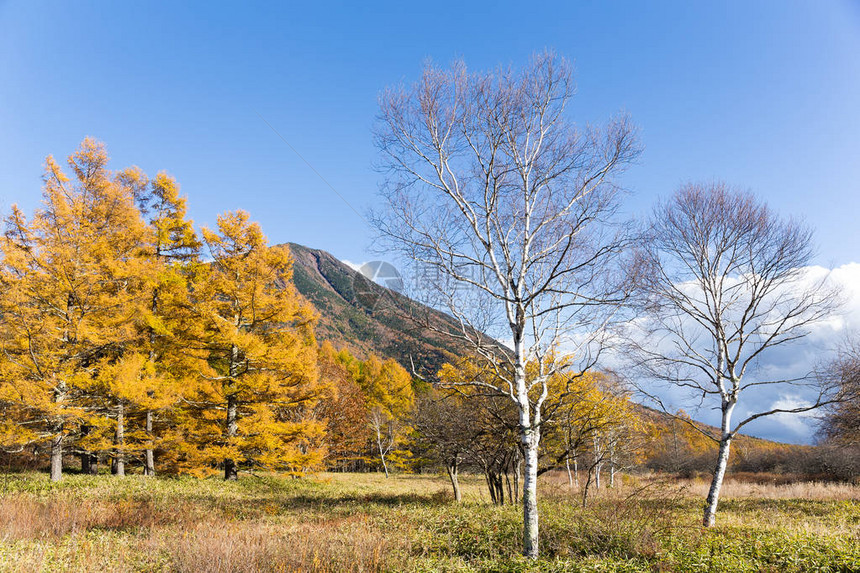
(387, 388)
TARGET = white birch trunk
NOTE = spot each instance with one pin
(381, 449)
(530, 509)
(709, 517)
(569, 474)
(612, 462)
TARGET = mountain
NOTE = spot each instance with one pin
(365, 317)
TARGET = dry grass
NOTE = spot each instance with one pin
(365, 523)
(735, 486)
(350, 546)
(23, 517)
(736, 489)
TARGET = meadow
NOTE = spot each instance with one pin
(365, 522)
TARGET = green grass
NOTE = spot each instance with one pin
(363, 522)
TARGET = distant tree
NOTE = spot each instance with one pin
(490, 422)
(723, 283)
(840, 425)
(679, 444)
(447, 427)
(594, 424)
(387, 388)
(258, 333)
(506, 208)
(344, 409)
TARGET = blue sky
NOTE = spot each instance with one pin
(765, 95)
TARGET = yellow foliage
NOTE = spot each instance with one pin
(260, 382)
(72, 278)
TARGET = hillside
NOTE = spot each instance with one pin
(365, 317)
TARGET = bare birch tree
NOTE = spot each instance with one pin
(508, 210)
(841, 423)
(723, 283)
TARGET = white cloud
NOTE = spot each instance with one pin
(798, 423)
(352, 265)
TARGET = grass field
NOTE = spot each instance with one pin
(363, 522)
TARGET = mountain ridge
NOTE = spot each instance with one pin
(365, 317)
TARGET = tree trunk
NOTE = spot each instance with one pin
(489, 477)
(717, 483)
(119, 440)
(87, 458)
(531, 439)
(710, 515)
(381, 450)
(89, 463)
(517, 470)
(57, 455)
(453, 470)
(569, 475)
(612, 444)
(231, 470)
(57, 438)
(567, 462)
(149, 454)
(589, 480)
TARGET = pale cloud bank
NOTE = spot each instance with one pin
(790, 361)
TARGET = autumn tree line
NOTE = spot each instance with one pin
(128, 336)
(125, 334)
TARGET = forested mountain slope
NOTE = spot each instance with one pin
(365, 317)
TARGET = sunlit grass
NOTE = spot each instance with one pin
(364, 522)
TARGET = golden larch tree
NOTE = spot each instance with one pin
(168, 327)
(387, 388)
(261, 381)
(71, 282)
